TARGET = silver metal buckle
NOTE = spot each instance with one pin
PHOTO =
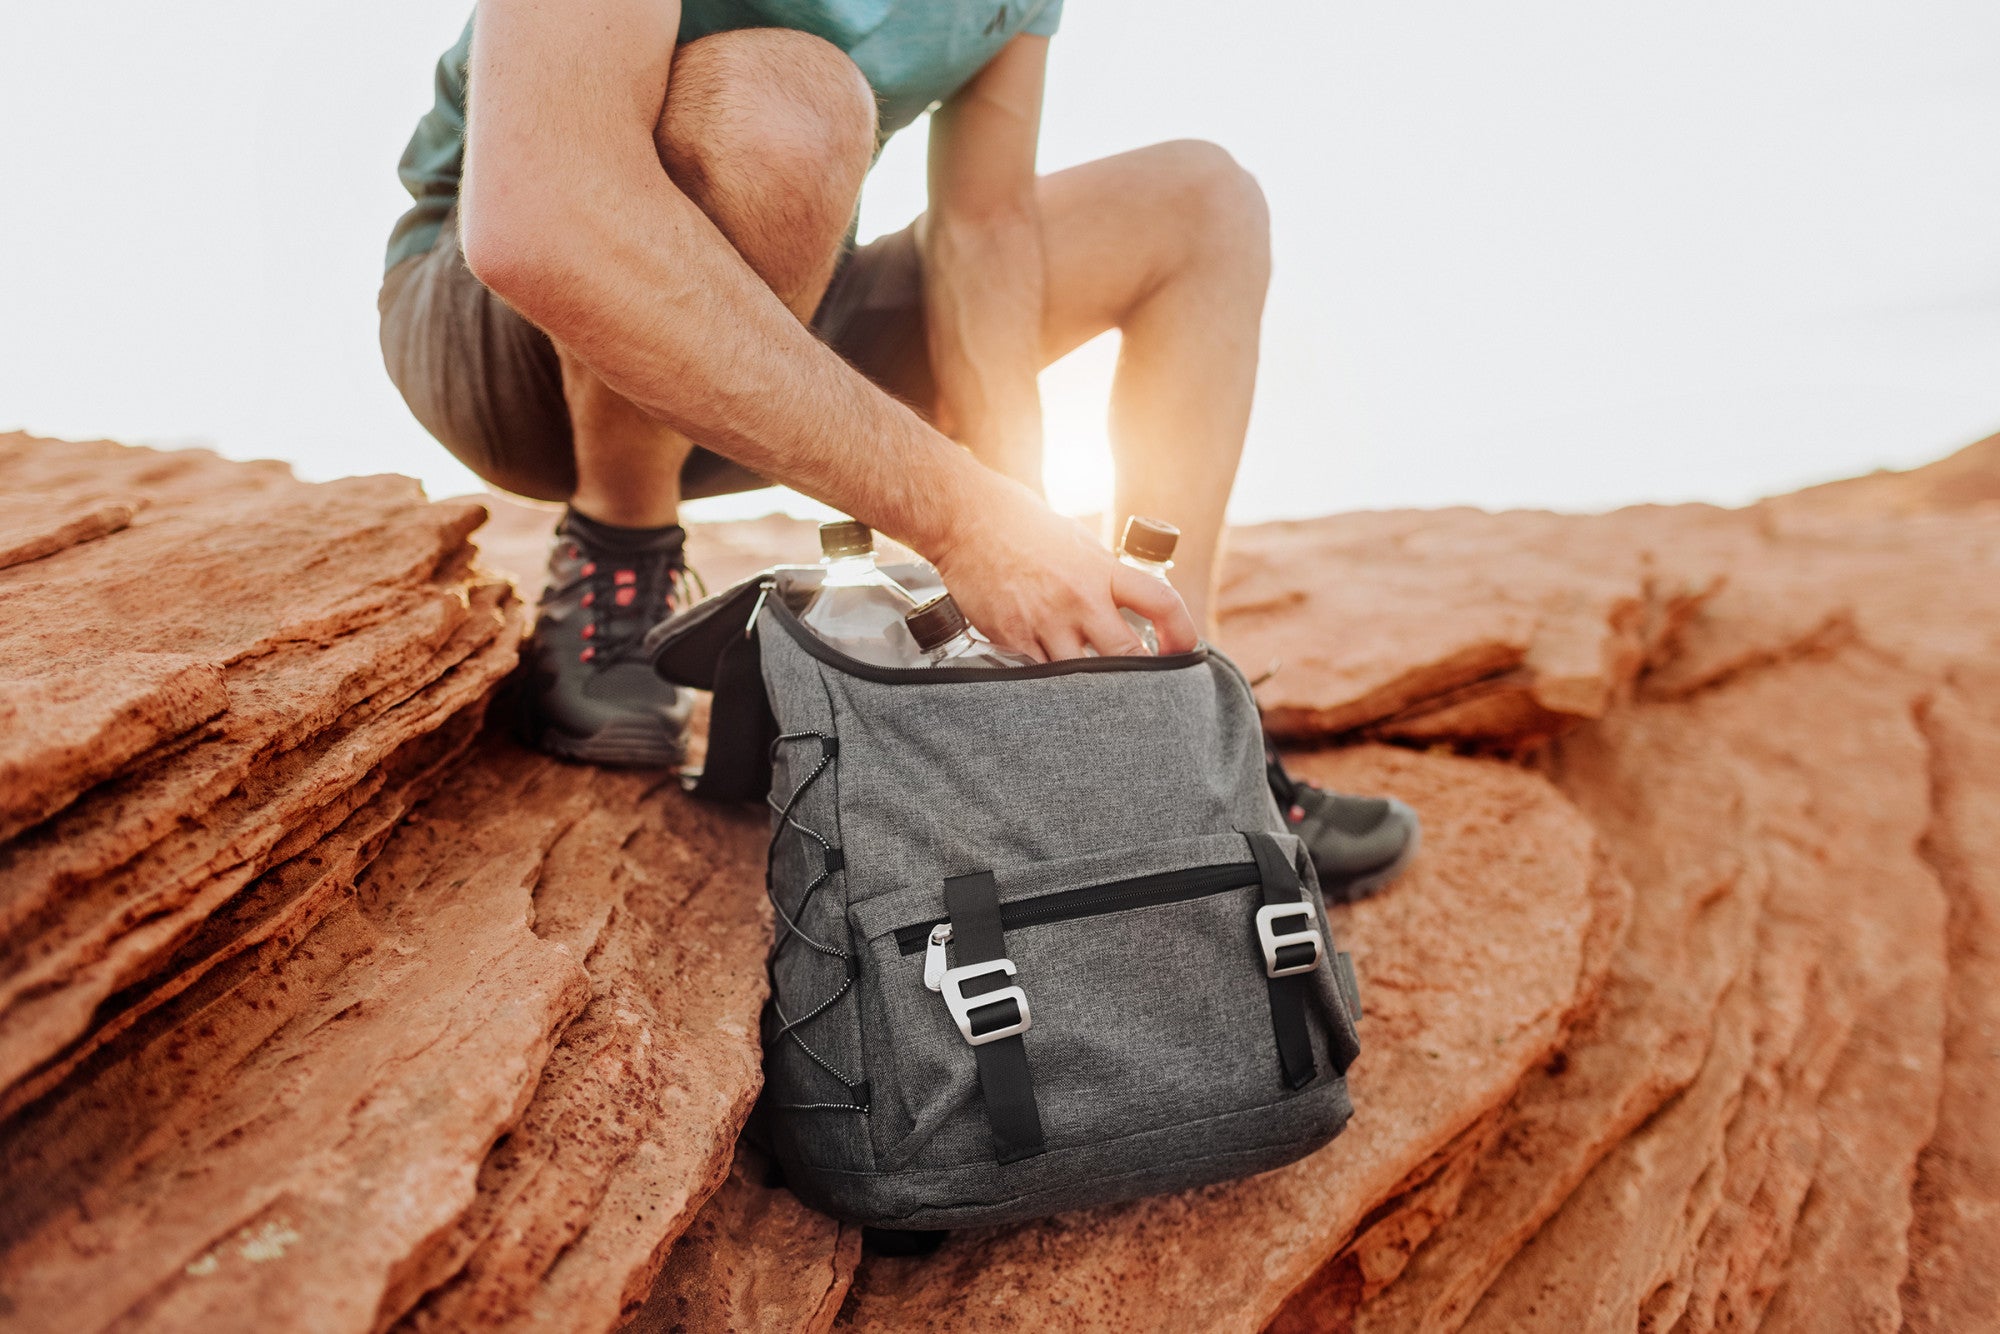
(1273, 940)
(962, 1006)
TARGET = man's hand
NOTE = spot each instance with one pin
(1040, 584)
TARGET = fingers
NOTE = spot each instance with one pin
(1113, 636)
(1100, 627)
(1069, 623)
(1086, 621)
(1158, 603)
(1009, 635)
(1176, 629)
(1060, 643)
(1055, 594)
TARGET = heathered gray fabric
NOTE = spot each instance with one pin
(1152, 1052)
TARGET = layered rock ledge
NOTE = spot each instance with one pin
(324, 1006)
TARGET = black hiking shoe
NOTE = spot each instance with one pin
(587, 692)
(1359, 845)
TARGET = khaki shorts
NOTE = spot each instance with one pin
(487, 384)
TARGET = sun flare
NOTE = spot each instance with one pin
(1076, 460)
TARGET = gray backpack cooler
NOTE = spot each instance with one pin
(1042, 940)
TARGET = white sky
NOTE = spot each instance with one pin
(1557, 254)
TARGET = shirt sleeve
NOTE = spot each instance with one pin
(1046, 20)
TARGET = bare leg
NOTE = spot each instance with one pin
(770, 133)
(1171, 245)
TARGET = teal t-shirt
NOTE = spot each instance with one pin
(914, 53)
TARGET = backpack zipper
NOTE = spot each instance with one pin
(818, 648)
(1146, 891)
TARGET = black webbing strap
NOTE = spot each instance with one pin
(1280, 881)
(741, 726)
(973, 903)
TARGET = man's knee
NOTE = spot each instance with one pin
(1221, 203)
(768, 127)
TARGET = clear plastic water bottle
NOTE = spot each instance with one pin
(1148, 546)
(941, 634)
(858, 609)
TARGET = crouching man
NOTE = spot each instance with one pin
(629, 278)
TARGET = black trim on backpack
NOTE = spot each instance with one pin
(917, 676)
(1280, 884)
(741, 726)
(1146, 891)
(973, 902)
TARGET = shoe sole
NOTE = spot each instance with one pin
(1370, 883)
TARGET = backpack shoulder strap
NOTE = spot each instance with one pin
(1283, 889)
(741, 725)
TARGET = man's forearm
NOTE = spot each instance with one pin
(566, 212)
(627, 273)
(983, 292)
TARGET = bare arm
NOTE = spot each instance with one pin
(982, 253)
(567, 214)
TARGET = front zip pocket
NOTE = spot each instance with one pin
(1144, 891)
(1150, 1001)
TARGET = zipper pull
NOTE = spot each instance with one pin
(763, 591)
(934, 963)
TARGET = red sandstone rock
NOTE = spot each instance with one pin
(1383, 1241)
(234, 664)
(754, 1260)
(1491, 631)
(633, 1122)
(32, 529)
(338, 1106)
(1833, 880)
(1953, 1283)
(278, 908)
(86, 922)
(1958, 481)
(1802, 1149)
(344, 1091)
(289, 1049)
(59, 734)
(1643, 1042)
(228, 562)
